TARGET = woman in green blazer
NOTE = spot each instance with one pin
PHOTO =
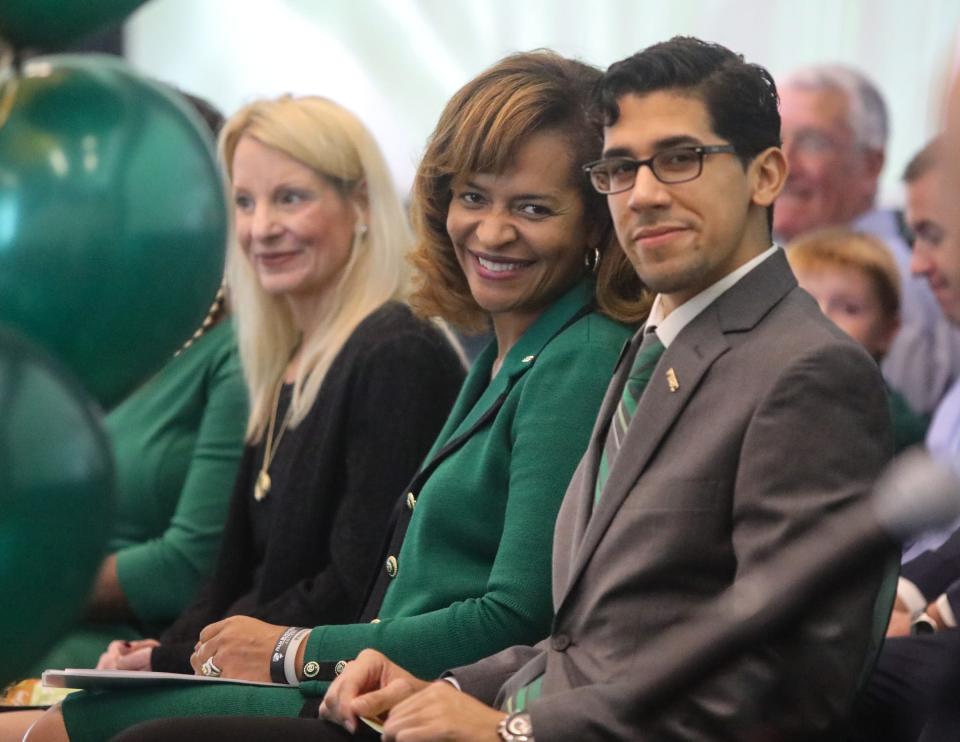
(510, 235)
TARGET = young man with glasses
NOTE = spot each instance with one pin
(758, 420)
(737, 418)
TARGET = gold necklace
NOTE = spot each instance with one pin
(263, 484)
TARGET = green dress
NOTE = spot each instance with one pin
(177, 442)
(473, 573)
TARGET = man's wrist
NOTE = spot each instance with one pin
(516, 728)
(923, 624)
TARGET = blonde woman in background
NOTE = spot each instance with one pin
(511, 236)
(347, 388)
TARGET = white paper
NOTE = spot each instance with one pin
(108, 679)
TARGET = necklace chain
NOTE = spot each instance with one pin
(263, 484)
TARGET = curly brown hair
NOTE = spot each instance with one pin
(480, 130)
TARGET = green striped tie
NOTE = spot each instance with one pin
(643, 366)
(529, 692)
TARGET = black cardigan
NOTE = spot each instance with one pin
(335, 479)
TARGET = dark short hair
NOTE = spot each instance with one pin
(741, 98)
(480, 130)
(924, 161)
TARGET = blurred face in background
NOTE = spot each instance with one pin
(949, 198)
(933, 251)
(849, 298)
(832, 178)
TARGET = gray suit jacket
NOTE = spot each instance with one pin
(779, 420)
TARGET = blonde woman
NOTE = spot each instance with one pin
(348, 389)
(513, 237)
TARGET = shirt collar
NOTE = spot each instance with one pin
(667, 328)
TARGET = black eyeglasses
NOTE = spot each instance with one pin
(677, 165)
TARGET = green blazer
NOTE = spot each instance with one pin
(473, 572)
(473, 566)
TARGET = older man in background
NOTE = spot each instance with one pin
(945, 724)
(923, 646)
(835, 130)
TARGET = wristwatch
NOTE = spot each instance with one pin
(516, 728)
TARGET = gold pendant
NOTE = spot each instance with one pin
(262, 488)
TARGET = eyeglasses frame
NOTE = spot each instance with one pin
(700, 151)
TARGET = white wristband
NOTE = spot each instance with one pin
(290, 660)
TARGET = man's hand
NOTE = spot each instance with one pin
(122, 655)
(240, 646)
(440, 711)
(900, 619)
(370, 686)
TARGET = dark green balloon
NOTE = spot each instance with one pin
(52, 23)
(112, 219)
(56, 490)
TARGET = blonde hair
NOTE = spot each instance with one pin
(335, 144)
(833, 247)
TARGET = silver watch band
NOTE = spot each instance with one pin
(516, 728)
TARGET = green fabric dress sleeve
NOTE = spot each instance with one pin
(159, 575)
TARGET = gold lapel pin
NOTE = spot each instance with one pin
(672, 379)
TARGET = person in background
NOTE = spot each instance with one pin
(944, 723)
(511, 235)
(855, 281)
(835, 130)
(347, 387)
(177, 441)
(913, 674)
(709, 455)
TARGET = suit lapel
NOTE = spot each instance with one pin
(656, 413)
(690, 356)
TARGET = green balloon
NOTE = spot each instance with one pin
(56, 490)
(112, 219)
(52, 23)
